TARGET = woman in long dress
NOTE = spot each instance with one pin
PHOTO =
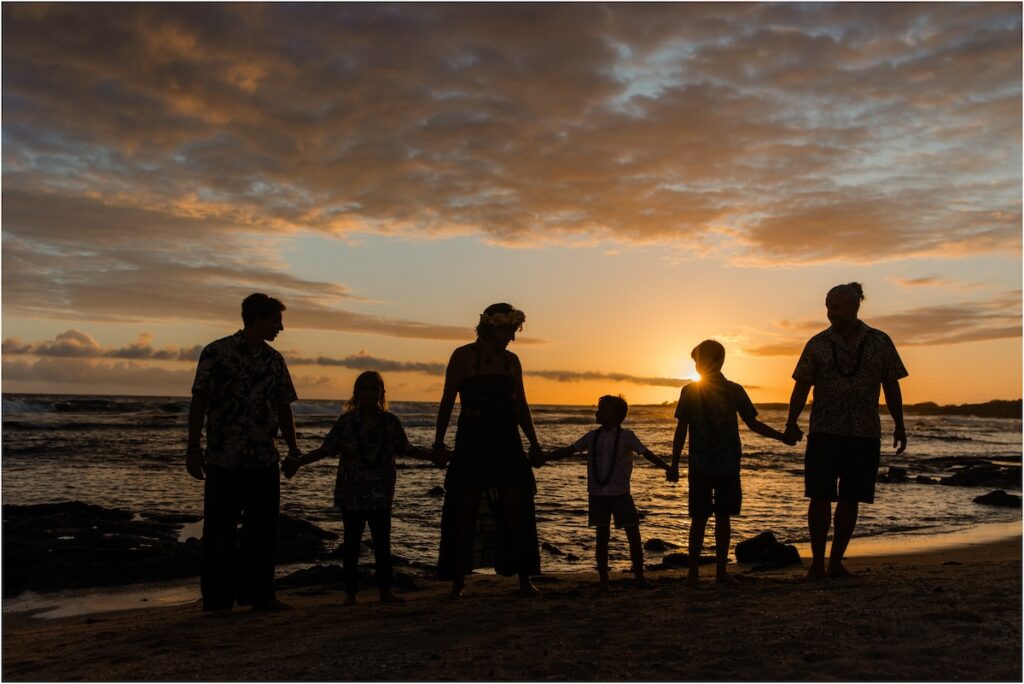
(488, 473)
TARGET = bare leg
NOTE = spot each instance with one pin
(697, 526)
(723, 532)
(819, 518)
(467, 528)
(845, 522)
(636, 555)
(601, 552)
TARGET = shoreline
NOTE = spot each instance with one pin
(151, 595)
(903, 617)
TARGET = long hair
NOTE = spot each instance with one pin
(367, 376)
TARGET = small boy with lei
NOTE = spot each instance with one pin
(708, 409)
(610, 450)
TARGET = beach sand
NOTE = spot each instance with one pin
(948, 614)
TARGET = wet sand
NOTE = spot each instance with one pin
(947, 614)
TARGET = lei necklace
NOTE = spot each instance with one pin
(856, 364)
(615, 452)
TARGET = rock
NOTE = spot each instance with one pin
(999, 498)
(655, 544)
(985, 475)
(72, 545)
(332, 574)
(552, 549)
(924, 479)
(437, 491)
(894, 474)
(751, 550)
(681, 560)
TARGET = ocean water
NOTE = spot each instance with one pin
(128, 452)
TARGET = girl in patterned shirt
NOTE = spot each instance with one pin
(366, 438)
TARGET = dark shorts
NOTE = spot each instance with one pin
(602, 508)
(840, 467)
(713, 494)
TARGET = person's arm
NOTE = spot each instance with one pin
(560, 453)
(453, 375)
(894, 402)
(195, 459)
(766, 431)
(287, 423)
(797, 402)
(331, 446)
(650, 456)
(522, 407)
(678, 440)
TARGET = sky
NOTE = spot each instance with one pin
(636, 178)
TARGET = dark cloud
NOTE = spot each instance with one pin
(581, 376)
(364, 361)
(993, 319)
(165, 137)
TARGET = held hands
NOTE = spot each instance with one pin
(672, 474)
(195, 461)
(536, 454)
(792, 435)
(439, 454)
(899, 439)
(291, 464)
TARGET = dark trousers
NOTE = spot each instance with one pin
(239, 564)
(380, 533)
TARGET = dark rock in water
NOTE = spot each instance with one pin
(751, 550)
(552, 549)
(436, 491)
(924, 479)
(71, 545)
(894, 474)
(655, 544)
(766, 552)
(571, 557)
(999, 498)
(681, 560)
(985, 475)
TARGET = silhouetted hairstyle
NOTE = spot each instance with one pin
(485, 330)
(366, 376)
(855, 290)
(259, 305)
(617, 404)
(710, 354)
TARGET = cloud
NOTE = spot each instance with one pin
(176, 144)
(78, 344)
(364, 361)
(581, 376)
(996, 318)
(934, 281)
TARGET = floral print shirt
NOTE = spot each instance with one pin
(366, 463)
(709, 409)
(847, 380)
(244, 392)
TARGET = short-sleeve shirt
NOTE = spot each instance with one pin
(366, 463)
(244, 392)
(604, 466)
(847, 379)
(709, 409)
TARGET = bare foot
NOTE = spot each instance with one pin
(837, 571)
(350, 600)
(724, 578)
(643, 583)
(527, 588)
(815, 573)
(390, 597)
(272, 605)
(457, 591)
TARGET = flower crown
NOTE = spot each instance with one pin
(515, 317)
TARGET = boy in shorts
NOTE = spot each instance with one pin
(707, 409)
(610, 451)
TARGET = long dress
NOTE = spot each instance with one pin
(489, 458)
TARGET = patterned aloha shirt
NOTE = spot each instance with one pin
(244, 392)
(366, 463)
(847, 379)
(709, 408)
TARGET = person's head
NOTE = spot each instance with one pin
(843, 303)
(611, 410)
(368, 391)
(499, 324)
(708, 356)
(262, 315)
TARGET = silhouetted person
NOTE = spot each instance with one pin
(610, 452)
(488, 456)
(366, 438)
(707, 410)
(243, 391)
(846, 364)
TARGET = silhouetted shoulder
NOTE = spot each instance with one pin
(513, 361)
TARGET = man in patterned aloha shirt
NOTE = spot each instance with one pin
(243, 391)
(846, 364)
